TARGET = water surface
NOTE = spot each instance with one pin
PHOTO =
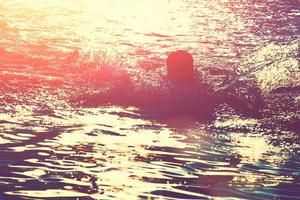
(54, 53)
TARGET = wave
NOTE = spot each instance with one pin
(106, 78)
(274, 66)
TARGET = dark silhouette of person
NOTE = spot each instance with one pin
(188, 94)
(191, 94)
(180, 68)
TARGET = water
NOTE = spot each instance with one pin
(54, 55)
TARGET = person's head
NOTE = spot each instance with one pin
(180, 67)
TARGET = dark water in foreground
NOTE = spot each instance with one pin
(55, 54)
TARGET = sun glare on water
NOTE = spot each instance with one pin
(92, 24)
(67, 65)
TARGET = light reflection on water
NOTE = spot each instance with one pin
(50, 148)
(98, 154)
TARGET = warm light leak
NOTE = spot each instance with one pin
(138, 30)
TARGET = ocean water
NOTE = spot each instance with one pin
(58, 141)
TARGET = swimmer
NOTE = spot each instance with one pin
(185, 94)
(192, 94)
(181, 72)
(188, 93)
(180, 68)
